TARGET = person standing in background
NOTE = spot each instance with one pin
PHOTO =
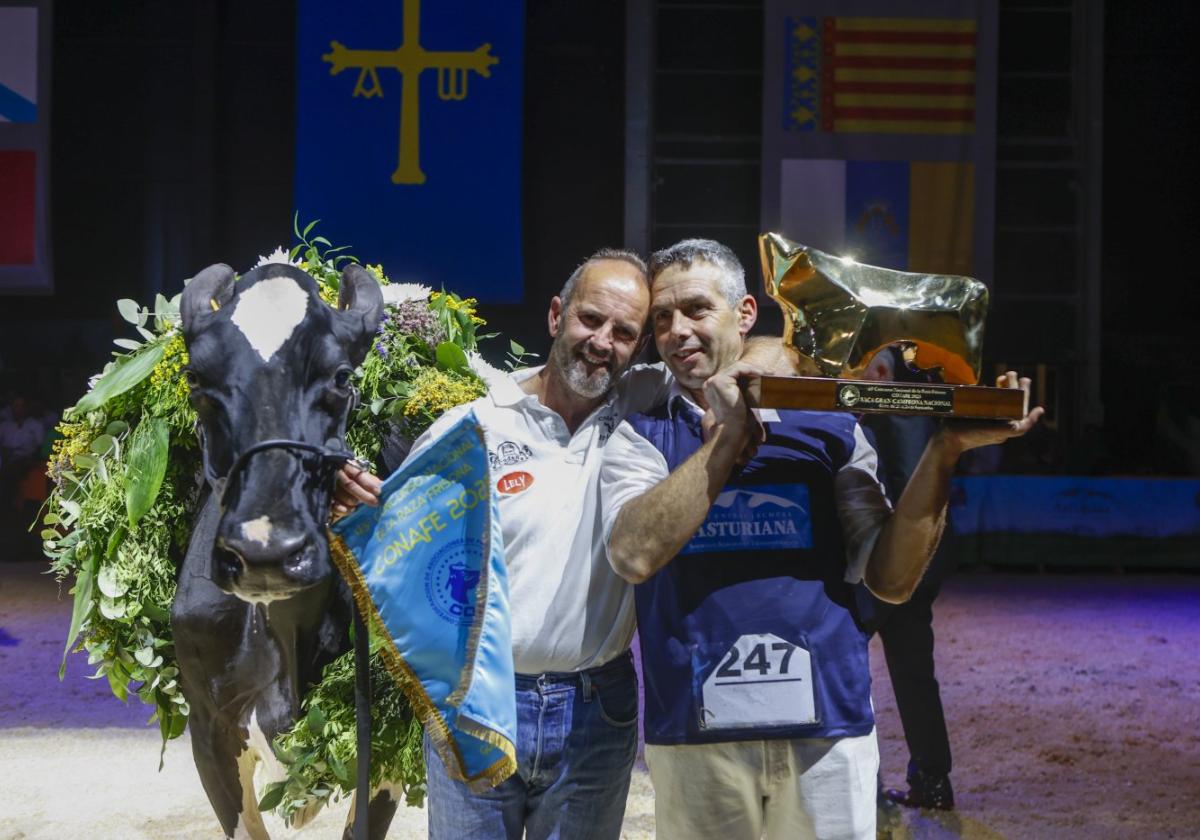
(906, 630)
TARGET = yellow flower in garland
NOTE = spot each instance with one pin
(457, 304)
(328, 294)
(75, 439)
(434, 391)
(167, 390)
(167, 378)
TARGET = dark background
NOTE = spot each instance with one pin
(172, 149)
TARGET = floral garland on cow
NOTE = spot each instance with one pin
(126, 489)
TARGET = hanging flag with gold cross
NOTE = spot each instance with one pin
(409, 137)
(879, 130)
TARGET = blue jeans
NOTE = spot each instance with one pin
(576, 741)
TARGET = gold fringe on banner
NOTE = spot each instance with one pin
(409, 683)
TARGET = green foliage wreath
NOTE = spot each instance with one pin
(126, 487)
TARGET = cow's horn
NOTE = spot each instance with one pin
(361, 296)
(361, 303)
(209, 290)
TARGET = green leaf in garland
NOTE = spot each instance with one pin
(149, 449)
(339, 770)
(271, 797)
(452, 357)
(316, 720)
(155, 612)
(122, 377)
(108, 583)
(81, 609)
(171, 726)
(129, 310)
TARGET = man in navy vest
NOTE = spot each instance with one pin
(745, 535)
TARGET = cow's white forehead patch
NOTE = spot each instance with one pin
(257, 530)
(268, 313)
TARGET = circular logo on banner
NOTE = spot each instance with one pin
(848, 396)
(514, 482)
(451, 580)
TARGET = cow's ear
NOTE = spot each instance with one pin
(209, 290)
(360, 302)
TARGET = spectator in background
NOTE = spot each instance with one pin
(22, 434)
(21, 439)
(906, 630)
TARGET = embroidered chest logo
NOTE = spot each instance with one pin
(508, 453)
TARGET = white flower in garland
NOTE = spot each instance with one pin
(395, 294)
(484, 370)
(277, 256)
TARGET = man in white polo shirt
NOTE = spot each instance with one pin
(572, 616)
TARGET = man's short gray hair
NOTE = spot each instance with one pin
(687, 251)
(621, 254)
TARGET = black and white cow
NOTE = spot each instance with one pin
(259, 610)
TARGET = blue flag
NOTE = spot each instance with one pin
(427, 569)
(409, 137)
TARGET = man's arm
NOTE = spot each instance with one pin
(652, 528)
(770, 355)
(354, 486)
(910, 536)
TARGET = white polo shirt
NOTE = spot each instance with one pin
(570, 610)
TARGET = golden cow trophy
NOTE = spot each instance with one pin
(838, 314)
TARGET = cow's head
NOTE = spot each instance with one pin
(268, 359)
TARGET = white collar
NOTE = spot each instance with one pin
(507, 391)
(680, 396)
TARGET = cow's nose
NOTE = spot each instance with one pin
(255, 552)
(268, 568)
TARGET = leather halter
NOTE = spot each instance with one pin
(330, 457)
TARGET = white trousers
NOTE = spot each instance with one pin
(745, 790)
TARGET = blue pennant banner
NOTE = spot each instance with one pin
(409, 137)
(427, 570)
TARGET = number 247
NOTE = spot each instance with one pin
(756, 660)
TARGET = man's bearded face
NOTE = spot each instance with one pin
(587, 369)
(598, 334)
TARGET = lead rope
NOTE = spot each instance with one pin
(362, 720)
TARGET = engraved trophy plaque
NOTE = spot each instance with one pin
(839, 314)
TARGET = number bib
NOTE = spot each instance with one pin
(762, 681)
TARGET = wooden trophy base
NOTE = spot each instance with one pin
(818, 393)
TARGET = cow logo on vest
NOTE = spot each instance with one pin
(452, 578)
(513, 483)
(508, 453)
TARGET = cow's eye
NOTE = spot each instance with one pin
(193, 380)
(342, 378)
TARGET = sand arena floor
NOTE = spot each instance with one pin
(1073, 704)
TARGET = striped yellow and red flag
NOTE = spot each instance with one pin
(897, 75)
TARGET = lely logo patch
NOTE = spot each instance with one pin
(514, 482)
